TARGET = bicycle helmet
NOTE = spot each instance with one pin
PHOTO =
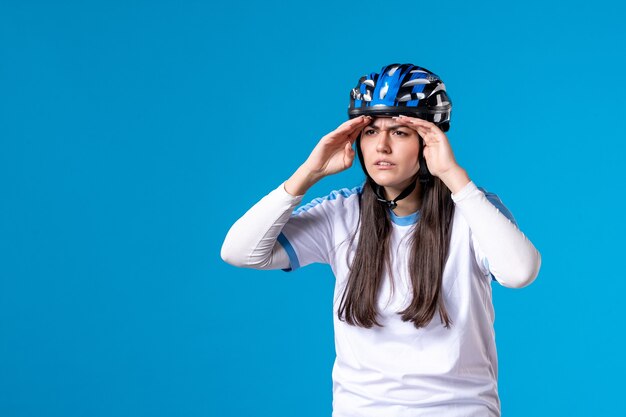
(401, 89)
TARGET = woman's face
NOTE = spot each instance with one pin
(390, 153)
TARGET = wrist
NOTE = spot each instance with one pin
(303, 179)
(455, 179)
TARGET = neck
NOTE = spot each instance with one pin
(409, 204)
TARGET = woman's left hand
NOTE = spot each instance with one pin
(437, 151)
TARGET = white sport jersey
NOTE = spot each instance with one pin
(398, 370)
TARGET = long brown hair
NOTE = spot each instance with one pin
(429, 246)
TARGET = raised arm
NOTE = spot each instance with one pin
(513, 259)
(252, 241)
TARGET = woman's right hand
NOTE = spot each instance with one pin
(334, 151)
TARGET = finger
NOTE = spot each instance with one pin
(349, 130)
(423, 130)
(348, 155)
(355, 134)
(355, 123)
(415, 126)
(416, 121)
(428, 136)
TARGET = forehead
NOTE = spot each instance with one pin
(386, 123)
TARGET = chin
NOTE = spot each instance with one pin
(391, 180)
(388, 181)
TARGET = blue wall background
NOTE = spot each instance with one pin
(133, 134)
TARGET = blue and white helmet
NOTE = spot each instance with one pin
(402, 89)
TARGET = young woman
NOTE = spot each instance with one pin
(414, 251)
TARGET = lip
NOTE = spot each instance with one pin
(384, 167)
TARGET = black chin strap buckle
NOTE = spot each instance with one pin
(389, 203)
(392, 204)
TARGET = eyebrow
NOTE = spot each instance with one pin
(394, 127)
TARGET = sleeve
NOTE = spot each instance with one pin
(480, 255)
(308, 235)
(252, 242)
(501, 249)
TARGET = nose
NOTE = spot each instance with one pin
(383, 142)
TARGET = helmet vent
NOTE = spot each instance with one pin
(412, 96)
(383, 91)
(392, 71)
(416, 81)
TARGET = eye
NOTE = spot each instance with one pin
(369, 131)
(400, 133)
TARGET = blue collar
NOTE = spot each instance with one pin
(404, 220)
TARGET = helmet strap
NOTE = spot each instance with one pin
(423, 175)
(392, 204)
